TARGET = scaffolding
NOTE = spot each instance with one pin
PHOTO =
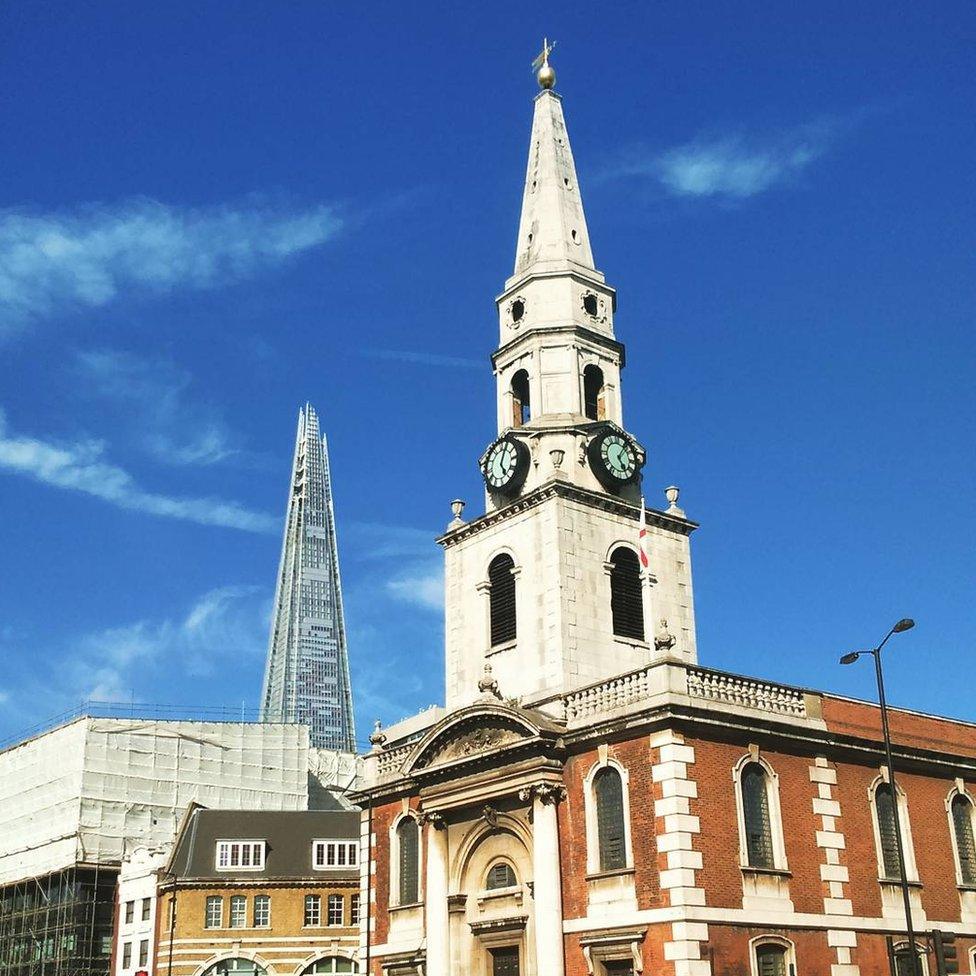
(59, 924)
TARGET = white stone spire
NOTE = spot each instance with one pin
(552, 233)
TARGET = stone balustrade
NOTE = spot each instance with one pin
(732, 689)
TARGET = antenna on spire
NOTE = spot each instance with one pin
(545, 74)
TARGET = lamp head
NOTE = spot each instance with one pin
(850, 658)
(906, 623)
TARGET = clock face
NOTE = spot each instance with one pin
(505, 465)
(618, 456)
(615, 459)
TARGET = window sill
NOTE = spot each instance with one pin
(775, 872)
(614, 873)
(407, 906)
(498, 648)
(639, 645)
(896, 883)
(966, 887)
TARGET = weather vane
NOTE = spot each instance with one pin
(544, 72)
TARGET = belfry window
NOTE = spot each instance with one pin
(609, 794)
(501, 599)
(962, 828)
(755, 809)
(408, 851)
(626, 602)
(521, 406)
(884, 803)
(594, 395)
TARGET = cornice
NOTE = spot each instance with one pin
(563, 489)
(597, 338)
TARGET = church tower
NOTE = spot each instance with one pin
(547, 588)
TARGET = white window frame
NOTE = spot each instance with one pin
(305, 903)
(592, 823)
(254, 907)
(339, 848)
(355, 912)
(224, 851)
(330, 901)
(219, 902)
(775, 813)
(126, 955)
(759, 941)
(959, 790)
(238, 899)
(911, 868)
(921, 949)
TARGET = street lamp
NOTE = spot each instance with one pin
(904, 624)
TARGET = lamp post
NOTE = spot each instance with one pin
(904, 624)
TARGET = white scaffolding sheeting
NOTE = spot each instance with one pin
(96, 788)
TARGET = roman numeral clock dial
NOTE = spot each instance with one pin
(615, 458)
(505, 466)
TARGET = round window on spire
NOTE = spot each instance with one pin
(576, 237)
(590, 305)
(518, 310)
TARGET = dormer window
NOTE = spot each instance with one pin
(240, 855)
(334, 855)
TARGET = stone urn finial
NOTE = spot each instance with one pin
(377, 738)
(488, 684)
(457, 507)
(671, 494)
(664, 640)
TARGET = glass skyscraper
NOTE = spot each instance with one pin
(307, 674)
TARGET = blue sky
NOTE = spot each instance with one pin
(210, 213)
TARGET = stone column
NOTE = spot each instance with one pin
(435, 898)
(547, 889)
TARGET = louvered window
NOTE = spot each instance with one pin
(609, 793)
(501, 875)
(755, 810)
(408, 850)
(626, 606)
(884, 804)
(771, 960)
(501, 599)
(962, 825)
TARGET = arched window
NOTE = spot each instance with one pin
(755, 811)
(521, 406)
(771, 960)
(408, 850)
(903, 960)
(609, 794)
(333, 964)
(884, 803)
(236, 967)
(501, 875)
(962, 828)
(501, 599)
(626, 603)
(594, 396)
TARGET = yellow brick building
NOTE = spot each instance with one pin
(259, 893)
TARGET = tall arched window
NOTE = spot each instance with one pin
(408, 849)
(594, 396)
(755, 811)
(501, 599)
(884, 803)
(609, 793)
(626, 603)
(332, 964)
(521, 405)
(962, 827)
(771, 960)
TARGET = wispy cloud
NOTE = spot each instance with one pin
(423, 587)
(424, 358)
(155, 394)
(80, 466)
(733, 166)
(89, 256)
(226, 623)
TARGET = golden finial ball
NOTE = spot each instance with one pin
(546, 76)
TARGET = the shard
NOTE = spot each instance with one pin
(307, 675)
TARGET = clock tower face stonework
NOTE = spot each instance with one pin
(546, 588)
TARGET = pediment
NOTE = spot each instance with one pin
(471, 736)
